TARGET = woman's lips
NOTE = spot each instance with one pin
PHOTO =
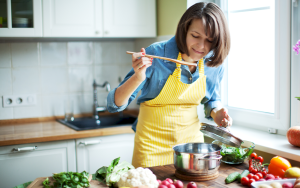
(197, 51)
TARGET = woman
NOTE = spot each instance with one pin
(170, 93)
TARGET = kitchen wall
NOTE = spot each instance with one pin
(61, 73)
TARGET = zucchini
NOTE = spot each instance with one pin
(232, 177)
(243, 174)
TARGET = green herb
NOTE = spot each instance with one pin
(68, 180)
(234, 155)
(111, 174)
(46, 183)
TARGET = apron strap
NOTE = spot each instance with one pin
(177, 71)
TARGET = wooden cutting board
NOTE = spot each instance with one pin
(38, 183)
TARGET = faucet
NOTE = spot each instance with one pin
(97, 108)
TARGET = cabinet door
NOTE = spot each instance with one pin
(20, 18)
(72, 18)
(93, 153)
(17, 167)
(130, 18)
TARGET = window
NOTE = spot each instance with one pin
(256, 86)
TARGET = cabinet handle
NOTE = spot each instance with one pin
(25, 148)
(90, 142)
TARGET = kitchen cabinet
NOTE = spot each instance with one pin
(25, 162)
(130, 18)
(93, 153)
(21, 18)
(99, 18)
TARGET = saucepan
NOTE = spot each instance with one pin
(197, 158)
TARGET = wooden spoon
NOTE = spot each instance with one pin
(168, 59)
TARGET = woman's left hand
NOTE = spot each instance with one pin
(222, 118)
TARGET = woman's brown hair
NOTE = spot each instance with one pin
(214, 21)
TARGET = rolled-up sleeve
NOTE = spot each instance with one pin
(214, 100)
(111, 105)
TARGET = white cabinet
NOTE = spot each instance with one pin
(21, 18)
(17, 167)
(72, 18)
(129, 18)
(99, 18)
(93, 153)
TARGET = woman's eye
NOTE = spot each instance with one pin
(195, 36)
(210, 41)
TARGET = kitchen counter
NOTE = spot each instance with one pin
(13, 132)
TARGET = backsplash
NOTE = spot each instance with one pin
(60, 73)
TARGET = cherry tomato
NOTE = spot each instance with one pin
(259, 174)
(251, 169)
(250, 175)
(253, 155)
(256, 177)
(264, 173)
(260, 159)
(254, 171)
(245, 180)
(250, 181)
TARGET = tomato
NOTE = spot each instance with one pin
(250, 181)
(254, 171)
(260, 159)
(245, 180)
(253, 155)
(256, 177)
(264, 173)
(259, 174)
(250, 175)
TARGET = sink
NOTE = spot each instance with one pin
(80, 124)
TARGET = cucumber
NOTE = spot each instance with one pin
(232, 177)
(243, 174)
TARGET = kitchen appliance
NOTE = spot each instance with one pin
(197, 161)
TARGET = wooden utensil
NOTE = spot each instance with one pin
(168, 59)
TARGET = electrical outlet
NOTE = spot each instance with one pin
(272, 130)
(19, 100)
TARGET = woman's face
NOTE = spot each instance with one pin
(197, 42)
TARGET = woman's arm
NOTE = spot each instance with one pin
(140, 65)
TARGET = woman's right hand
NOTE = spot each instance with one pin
(140, 63)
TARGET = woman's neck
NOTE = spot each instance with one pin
(190, 60)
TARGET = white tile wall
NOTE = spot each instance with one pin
(60, 73)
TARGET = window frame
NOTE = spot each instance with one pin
(281, 118)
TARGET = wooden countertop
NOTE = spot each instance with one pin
(15, 132)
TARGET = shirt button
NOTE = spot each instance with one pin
(190, 78)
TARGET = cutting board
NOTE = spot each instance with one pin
(38, 183)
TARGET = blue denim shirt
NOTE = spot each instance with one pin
(158, 73)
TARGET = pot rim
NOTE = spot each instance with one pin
(196, 152)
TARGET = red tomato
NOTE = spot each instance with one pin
(260, 159)
(253, 171)
(250, 175)
(264, 173)
(259, 174)
(250, 181)
(245, 180)
(253, 155)
(256, 177)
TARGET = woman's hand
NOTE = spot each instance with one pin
(140, 63)
(221, 117)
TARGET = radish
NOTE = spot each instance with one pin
(162, 186)
(169, 180)
(178, 184)
(191, 185)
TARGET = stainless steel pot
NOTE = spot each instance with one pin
(197, 158)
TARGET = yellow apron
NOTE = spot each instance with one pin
(169, 119)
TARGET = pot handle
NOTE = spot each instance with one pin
(211, 157)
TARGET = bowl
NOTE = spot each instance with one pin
(197, 158)
(235, 155)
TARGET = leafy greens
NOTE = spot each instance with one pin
(234, 155)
